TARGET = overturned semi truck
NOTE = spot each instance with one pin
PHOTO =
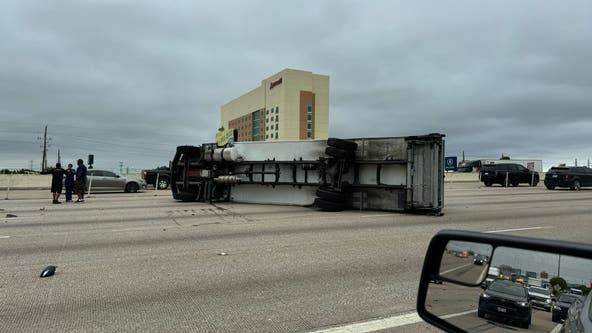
(392, 173)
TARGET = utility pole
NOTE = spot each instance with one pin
(576, 162)
(121, 168)
(45, 146)
(588, 163)
(463, 156)
(44, 160)
(59, 158)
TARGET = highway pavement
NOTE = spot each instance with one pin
(144, 262)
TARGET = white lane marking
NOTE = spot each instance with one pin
(385, 323)
(376, 325)
(4, 236)
(456, 268)
(458, 314)
(517, 229)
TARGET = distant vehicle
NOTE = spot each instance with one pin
(576, 291)
(560, 308)
(506, 300)
(535, 282)
(507, 174)
(469, 166)
(103, 180)
(162, 175)
(479, 260)
(540, 297)
(579, 316)
(572, 177)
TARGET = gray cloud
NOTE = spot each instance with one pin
(131, 80)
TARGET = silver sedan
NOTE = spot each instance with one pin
(103, 180)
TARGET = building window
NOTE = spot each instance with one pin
(309, 117)
(309, 134)
(276, 135)
(256, 124)
(277, 118)
(277, 109)
(309, 126)
(276, 127)
(309, 108)
(267, 128)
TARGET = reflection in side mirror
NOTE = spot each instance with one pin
(465, 262)
(518, 289)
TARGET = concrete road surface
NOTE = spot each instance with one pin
(146, 263)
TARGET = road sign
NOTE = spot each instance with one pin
(450, 163)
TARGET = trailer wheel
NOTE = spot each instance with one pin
(328, 206)
(337, 153)
(329, 195)
(342, 144)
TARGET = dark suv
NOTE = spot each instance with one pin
(508, 173)
(572, 177)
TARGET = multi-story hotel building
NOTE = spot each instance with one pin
(290, 105)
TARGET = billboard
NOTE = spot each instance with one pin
(450, 163)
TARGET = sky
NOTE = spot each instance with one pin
(128, 81)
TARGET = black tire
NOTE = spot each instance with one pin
(550, 187)
(480, 314)
(132, 188)
(535, 183)
(342, 144)
(328, 206)
(337, 153)
(525, 324)
(163, 183)
(329, 195)
(576, 186)
(488, 184)
(515, 183)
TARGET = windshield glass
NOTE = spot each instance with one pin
(538, 290)
(568, 298)
(507, 288)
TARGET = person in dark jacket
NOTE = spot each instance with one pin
(69, 183)
(57, 177)
(80, 182)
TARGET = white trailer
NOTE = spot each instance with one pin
(393, 174)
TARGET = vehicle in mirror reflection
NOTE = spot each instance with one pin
(506, 300)
(506, 288)
(465, 262)
(560, 308)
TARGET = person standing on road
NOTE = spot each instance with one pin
(69, 183)
(80, 183)
(57, 177)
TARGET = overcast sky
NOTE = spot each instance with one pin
(131, 80)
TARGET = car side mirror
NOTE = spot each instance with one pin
(476, 298)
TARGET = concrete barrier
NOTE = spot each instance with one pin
(33, 182)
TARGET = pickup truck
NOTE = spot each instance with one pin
(163, 176)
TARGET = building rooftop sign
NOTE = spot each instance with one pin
(275, 83)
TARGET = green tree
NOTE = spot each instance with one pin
(558, 281)
(505, 157)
